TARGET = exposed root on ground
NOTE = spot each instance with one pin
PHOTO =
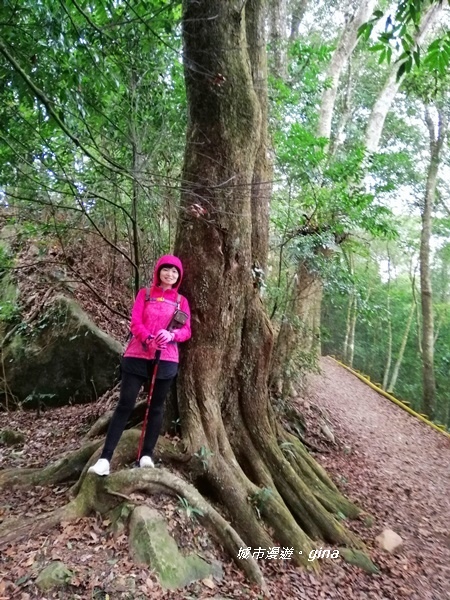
(102, 494)
(161, 480)
(67, 468)
(274, 494)
(296, 509)
(17, 529)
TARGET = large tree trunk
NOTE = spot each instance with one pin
(261, 188)
(223, 383)
(436, 144)
(298, 342)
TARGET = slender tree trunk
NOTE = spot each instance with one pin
(351, 319)
(436, 144)
(387, 367)
(350, 328)
(348, 321)
(351, 341)
(134, 224)
(401, 352)
(385, 98)
(338, 137)
(135, 195)
(418, 320)
(345, 47)
(278, 37)
(226, 416)
(297, 11)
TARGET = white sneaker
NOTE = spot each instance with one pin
(101, 467)
(146, 461)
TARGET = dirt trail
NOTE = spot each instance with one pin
(399, 470)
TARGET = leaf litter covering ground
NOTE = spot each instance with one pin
(394, 466)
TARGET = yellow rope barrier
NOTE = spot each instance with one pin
(390, 397)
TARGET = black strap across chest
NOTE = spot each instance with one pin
(162, 299)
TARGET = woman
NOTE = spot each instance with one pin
(152, 312)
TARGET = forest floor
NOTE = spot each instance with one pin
(394, 466)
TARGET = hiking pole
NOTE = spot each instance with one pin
(149, 401)
(178, 320)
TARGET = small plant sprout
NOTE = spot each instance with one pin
(260, 498)
(191, 511)
(204, 454)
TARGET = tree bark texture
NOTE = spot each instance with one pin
(346, 113)
(278, 37)
(352, 311)
(226, 417)
(261, 188)
(345, 347)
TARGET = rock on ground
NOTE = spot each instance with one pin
(54, 575)
(151, 544)
(389, 540)
(62, 358)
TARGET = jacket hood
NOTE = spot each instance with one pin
(168, 259)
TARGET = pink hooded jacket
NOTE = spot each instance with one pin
(149, 316)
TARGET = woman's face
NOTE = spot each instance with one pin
(168, 276)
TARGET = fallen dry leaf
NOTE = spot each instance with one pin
(209, 583)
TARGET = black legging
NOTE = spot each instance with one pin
(129, 390)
